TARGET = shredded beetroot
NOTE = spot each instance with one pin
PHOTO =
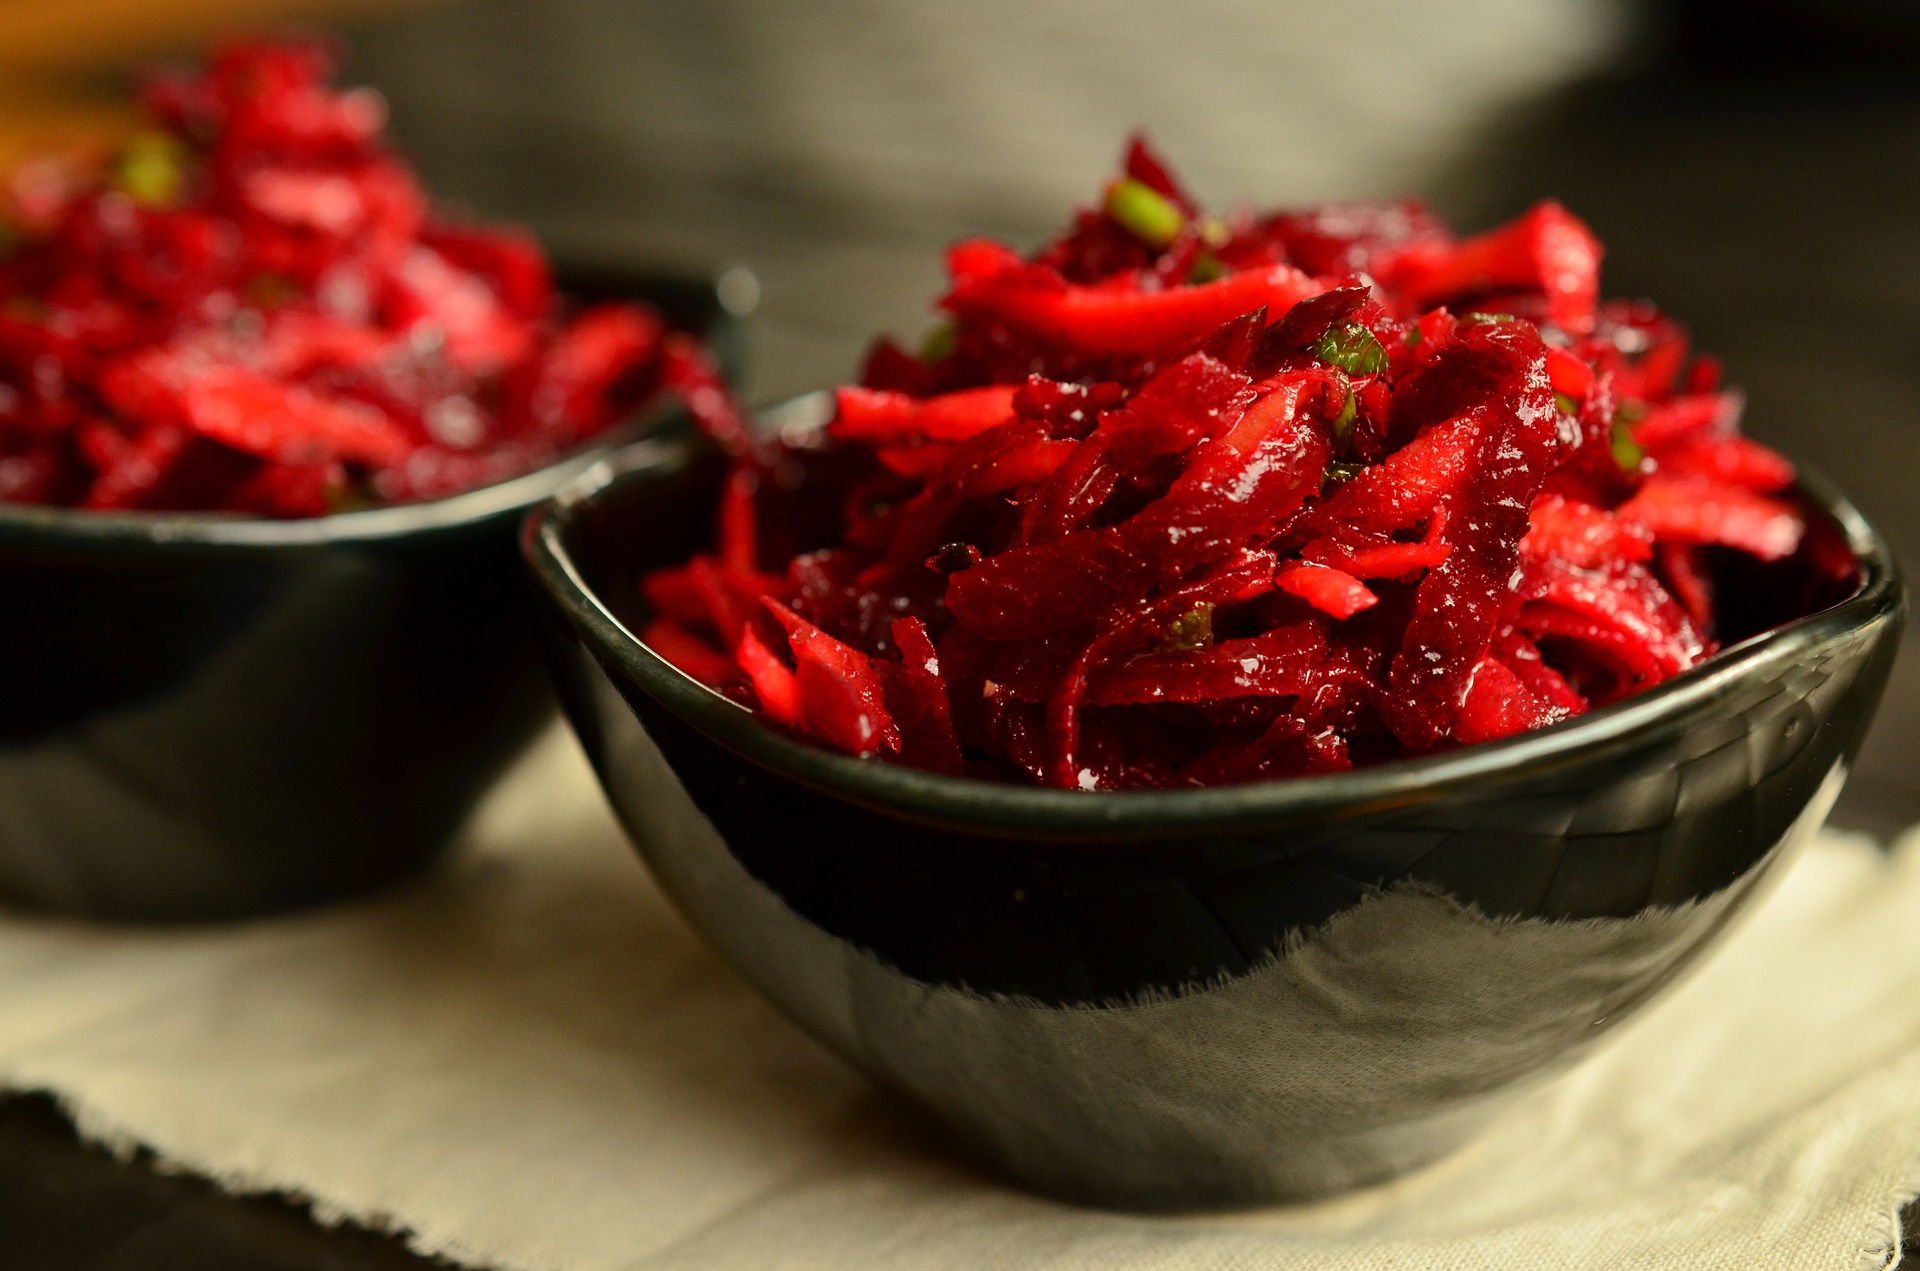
(1181, 502)
(251, 309)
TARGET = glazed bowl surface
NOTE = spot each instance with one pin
(206, 716)
(1207, 997)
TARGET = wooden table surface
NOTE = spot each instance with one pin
(1772, 207)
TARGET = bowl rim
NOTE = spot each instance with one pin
(44, 525)
(999, 809)
(41, 525)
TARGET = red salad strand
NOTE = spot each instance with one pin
(251, 308)
(1178, 501)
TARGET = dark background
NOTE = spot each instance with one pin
(1753, 164)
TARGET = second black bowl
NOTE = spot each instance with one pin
(205, 716)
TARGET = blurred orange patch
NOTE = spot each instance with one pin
(63, 66)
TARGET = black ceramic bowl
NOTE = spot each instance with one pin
(1215, 996)
(205, 716)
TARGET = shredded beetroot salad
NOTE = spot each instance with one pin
(250, 309)
(1178, 501)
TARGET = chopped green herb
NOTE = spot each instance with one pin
(939, 344)
(1626, 451)
(1206, 268)
(1349, 411)
(1352, 348)
(1144, 212)
(151, 169)
(1338, 473)
(1413, 337)
(1191, 630)
(1631, 411)
(1566, 404)
(1214, 232)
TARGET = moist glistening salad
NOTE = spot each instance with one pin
(251, 308)
(1179, 501)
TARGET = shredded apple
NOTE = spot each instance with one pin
(1178, 501)
(250, 309)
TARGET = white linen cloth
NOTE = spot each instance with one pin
(528, 1061)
